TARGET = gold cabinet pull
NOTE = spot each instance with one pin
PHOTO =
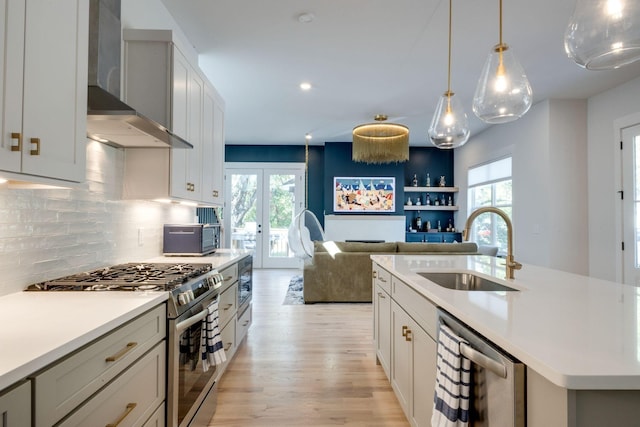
(35, 141)
(18, 136)
(228, 346)
(215, 193)
(382, 279)
(121, 353)
(375, 274)
(228, 307)
(381, 295)
(404, 331)
(245, 323)
(408, 336)
(130, 407)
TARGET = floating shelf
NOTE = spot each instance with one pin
(429, 208)
(430, 189)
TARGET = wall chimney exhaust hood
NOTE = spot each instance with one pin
(109, 120)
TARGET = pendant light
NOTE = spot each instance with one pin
(503, 93)
(450, 125)
(604, 34)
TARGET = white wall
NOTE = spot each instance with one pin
(604, 110)
(548, 147)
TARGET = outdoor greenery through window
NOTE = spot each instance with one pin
(490, 185)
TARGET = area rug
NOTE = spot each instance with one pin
(294, 293)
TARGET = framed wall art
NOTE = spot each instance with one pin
(364, 194)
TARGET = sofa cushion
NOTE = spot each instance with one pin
(466, 247)
(387, 247)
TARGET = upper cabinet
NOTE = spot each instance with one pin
(43, 69)
(161, 83)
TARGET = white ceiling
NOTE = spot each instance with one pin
(368, 57)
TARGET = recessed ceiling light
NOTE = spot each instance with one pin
(305, 86)
(305, 18)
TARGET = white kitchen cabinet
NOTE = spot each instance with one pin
(67, 384)
(213, 147)
(228, 338)
(43, 70)
(131, 399)
(15, 406)
(227, 304)
(163, 84)
(243, 324)
(408, 321)
(382, 318)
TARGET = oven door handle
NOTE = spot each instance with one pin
(182, 326)
(483, 360)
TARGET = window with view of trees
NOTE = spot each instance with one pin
(490, 185)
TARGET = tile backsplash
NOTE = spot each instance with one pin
(48, 233)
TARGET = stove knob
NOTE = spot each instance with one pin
(181, 299)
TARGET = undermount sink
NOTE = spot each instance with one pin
(464, 282)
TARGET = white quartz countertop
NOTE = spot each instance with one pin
(578, 332)
(39, 328)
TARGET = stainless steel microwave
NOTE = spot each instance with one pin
(190, 239)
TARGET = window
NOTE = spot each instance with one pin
(490, 185)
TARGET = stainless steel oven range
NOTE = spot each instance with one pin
(191, 391)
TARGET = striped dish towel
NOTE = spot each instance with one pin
(211, 343)
(453, 380)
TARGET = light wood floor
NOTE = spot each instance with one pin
(305, 365)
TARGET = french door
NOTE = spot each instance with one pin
(263, 199)
(631, 204)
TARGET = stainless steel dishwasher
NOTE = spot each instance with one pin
(498, 379)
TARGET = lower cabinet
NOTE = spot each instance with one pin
(131, 399)
(411, 351)
(120, 376)
(244, 322)
(15, 406)
(382, 328)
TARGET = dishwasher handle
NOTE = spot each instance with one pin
(482, 360)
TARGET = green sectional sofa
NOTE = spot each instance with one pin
(341, 271)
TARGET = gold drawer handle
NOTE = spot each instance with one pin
(18, 136)
(215, 193)
(228, 307)
(404, 331)
(121, 353)
(408, 336)
(127, 411)
(35, 152)
(375, 274)
(381, 295)
(245, 323)
(228, 346)
(383, 280)
(227, 278)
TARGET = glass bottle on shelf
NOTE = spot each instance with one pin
(428, 201)
(419, 222)
(418, 201)
(450, 226)
(428, 225)
(442, 182)
(415, 180)
(428, 183)
(436, 202)
(439, 227)
(450, 202)
(442, 201)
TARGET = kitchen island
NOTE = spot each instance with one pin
(579, 337)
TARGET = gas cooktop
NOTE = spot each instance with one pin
(127, 277)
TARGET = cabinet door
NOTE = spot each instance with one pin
(55, 89)
(11, 60)
(15, 406)
(382, 328)
(424, 376)
(401, 359)
(180, 122)
(212, 147)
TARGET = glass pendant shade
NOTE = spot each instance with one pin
(450, 125)
(503, 93)
(604, 34)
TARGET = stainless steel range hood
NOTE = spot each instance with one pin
(109, 120)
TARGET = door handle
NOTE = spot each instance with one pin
(18, 136)
(483, 360)
(35, 152)
(404, 331)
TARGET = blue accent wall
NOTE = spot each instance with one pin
(334, 159)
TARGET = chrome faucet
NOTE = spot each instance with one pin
(512, 264)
